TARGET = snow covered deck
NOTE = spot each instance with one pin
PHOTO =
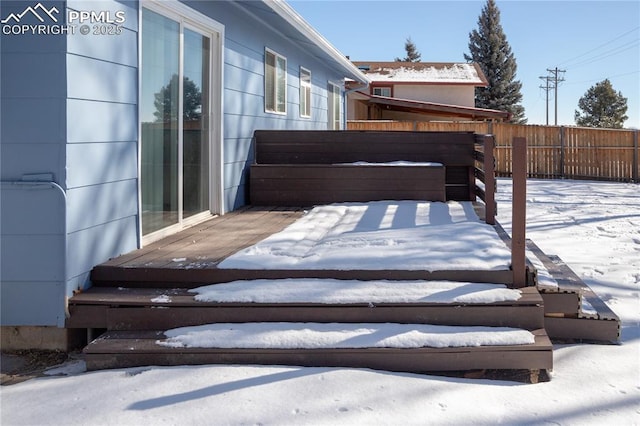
(404, 240)
(432, 278)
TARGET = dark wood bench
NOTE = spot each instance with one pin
(304, 168)
(309, 184)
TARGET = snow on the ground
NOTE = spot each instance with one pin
(332, 335)
(384, 235)
(593, 226)
(312, 290)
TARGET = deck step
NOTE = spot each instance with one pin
(201, 273)
(157, 308)
(122, 349)
(573, 311)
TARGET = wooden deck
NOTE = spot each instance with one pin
(126, 302)
(138, 296)
(190, 258)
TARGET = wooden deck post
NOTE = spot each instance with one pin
(519, 212)
(636, 158)
(490, 180)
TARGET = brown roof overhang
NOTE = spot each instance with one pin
(421, 107)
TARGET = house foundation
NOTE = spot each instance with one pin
(16, 338)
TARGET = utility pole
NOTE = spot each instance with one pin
(546, 87)
(556, 79)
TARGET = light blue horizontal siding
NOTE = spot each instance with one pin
(32, 120)
(101, 121)
(92, 246)
(30, 210)
(33, 134)
(108, 202)
(236, 196)
(33, 303)
(97, 80)
(18, 159)
(32, 257)
(102, 144)
(110, 48)
(238, 150)
(33, 75)
(96, 163)
(32, 246)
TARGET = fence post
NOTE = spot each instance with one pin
(634, 172)
(519, 212)
(489, 180)
(562, 147)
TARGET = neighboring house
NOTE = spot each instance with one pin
(126, 121)
(421, 91)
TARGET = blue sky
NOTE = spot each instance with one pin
(591, 40)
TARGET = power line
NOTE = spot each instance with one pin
(623, 48)
(600, 46)
(606, 77)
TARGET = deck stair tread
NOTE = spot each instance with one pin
(202, 272)
(184, 297)
(118, 349)
(565, 317)
(140, 308)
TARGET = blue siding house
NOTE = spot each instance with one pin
(125, 121)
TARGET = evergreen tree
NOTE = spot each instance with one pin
(412, 52)
(166, 101)
(489, 48)
(602, 107)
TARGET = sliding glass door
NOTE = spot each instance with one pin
(175, 103)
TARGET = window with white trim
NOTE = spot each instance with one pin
(305, 92)
(382, 91)
(334, 109)
(275, 82)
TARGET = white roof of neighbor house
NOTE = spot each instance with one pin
(424, 72)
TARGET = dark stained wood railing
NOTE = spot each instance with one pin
(485, 173)
(519, 212)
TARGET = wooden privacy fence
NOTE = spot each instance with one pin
(552, 151)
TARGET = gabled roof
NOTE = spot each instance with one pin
(283, 19)
(423, 73)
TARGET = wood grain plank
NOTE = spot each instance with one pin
(190, 278)
(138, 351)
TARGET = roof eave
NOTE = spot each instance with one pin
(287, 13)
(418, 106)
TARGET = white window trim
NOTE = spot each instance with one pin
(381, 88)
(303, 87)
(193, 19)
(333, 85)
(275, 85)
